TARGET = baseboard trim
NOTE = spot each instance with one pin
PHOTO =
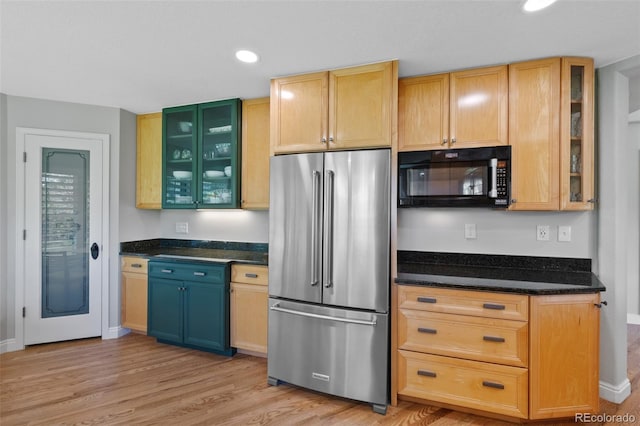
(115, 332)
(633, 319)
(10, 345)
(615, 393)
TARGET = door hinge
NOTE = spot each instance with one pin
(24, 234)
(24, 312)
(24, 157)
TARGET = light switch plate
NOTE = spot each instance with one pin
(182, 227)
(470, 231)
(564, 233)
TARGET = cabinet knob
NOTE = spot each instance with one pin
(453, 140)
(513, 201)
(444, 141)
(323, 140)
(599, 305)
(592, 200)
(330, 139)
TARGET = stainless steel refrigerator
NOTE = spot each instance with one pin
(329, 273)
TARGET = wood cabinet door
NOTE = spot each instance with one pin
(564, 355)
(479, 107)
(363, 104)
(149, 161)
(134, 301)
(249, 312)
(577, 134)
(298, 121)
(534, 112)
(423, 112)
(255, 154)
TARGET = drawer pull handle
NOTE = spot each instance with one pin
(427, 299)
(199, 274)
(493, 306)
(492, 385)
(493, 339)
(428, 330)
(167, 271)
(248, 275)
(426, 373)
(136, 265)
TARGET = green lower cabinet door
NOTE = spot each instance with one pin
(206, 316)
(165, 309)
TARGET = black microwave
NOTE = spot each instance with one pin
(468, 177)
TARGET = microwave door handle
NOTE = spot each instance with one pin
(493, 166)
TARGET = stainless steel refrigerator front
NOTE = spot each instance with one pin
(329, 273)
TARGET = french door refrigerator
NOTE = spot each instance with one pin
(329, 221)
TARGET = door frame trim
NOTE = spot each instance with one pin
(104, 139)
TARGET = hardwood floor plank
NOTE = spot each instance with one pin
(135, 381)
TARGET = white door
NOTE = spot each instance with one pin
(63, 223)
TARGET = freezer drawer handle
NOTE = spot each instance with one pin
(426, 373)
(493, 306)
(427, 330)
(276, 307)
(492, 385)
(427, 299)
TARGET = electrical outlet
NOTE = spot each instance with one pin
(182, 227)
(564, 233)
(470, 231)
(542, 233)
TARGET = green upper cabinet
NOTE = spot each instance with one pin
(201, 155)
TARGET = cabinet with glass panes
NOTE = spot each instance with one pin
(577, 134)
(201, 155)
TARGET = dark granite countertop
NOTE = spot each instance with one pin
(198, 250)
(511, 274)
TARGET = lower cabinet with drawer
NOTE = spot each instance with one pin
(504, 355)
(133, 311)
(249, 308)
(189, 304)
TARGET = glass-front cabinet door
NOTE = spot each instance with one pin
(179, 149)
(219, 136)
(201, 155)
(577, 135)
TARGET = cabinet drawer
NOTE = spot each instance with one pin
(133, 264)
(481, 339)
(198, 272)
(464, 302)
(249, 274)
(489, 387)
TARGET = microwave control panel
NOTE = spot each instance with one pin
(502, 183)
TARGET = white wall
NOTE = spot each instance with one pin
(613, 222)
(4, 323)
(498, 232)
(633, 251)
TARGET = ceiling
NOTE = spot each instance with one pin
(145, 55)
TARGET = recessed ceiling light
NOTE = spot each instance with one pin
(535, 5)
(246, 56)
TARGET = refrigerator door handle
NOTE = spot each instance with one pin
(277, 308)
(329, 231)
(315, 228)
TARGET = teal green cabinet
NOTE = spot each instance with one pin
(189, 304)
(201, 155)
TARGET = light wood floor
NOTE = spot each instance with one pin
(134, 380)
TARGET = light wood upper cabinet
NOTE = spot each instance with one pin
(149, 161)
(342, 109)
(564, 359)
(577, 135)
(255, 154)
(462, 109)
(534, 114)
(551, 134)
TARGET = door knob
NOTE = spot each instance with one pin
(95, 251)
